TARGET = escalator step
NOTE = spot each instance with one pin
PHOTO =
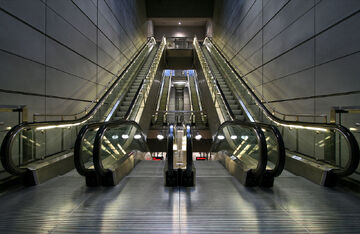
(124, 108)
(237, 112)
(120, 113)
(240, 117)
(229, 97)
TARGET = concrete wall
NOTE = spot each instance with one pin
(301, 55)
(56, 57)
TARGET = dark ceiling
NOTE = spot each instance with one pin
(180, 8)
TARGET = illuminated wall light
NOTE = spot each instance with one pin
(115, 137)
(175, 147)
(233, 137)
(179, 23)
(221, 137)
(125, 136)
(160, 137)
(137, 136)
(198, 137)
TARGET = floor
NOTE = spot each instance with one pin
(140, 203)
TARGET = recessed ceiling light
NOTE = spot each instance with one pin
(179, 23)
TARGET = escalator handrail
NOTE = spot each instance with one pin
(170, 149)
(280, 161)
(6, 154)
(79, 163)
(354, 153)
(189, 149)
(262, 162)
(99, 137)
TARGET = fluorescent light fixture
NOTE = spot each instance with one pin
(115, 137)
(160, 137)
(221, 137)
(137, 136)
(198, 137)
(233, 137)
(353, 129)
(125, 136)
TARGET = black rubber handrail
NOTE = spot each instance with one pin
(280, 160)
(78, 161)
(189, 149)
(6, 146)
(170, 149)
(100, 170)
(354, 153)
(262, 162)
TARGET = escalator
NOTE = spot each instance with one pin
(134, 85)
(179, 167)
(48, 146)
(198, 116)
(237, 101)
(163, 102)
(105, 152)
(230, 98)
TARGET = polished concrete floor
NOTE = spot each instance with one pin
(141, 204)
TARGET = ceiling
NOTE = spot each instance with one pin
(183, 21)
(180, 8)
